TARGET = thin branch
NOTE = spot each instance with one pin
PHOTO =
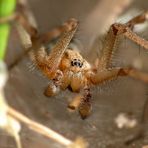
(39, 128)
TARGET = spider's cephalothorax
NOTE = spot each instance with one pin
(73, 61)
(74, 69)
(66, 68)
(72, 73)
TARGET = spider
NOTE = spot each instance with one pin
(66, 68)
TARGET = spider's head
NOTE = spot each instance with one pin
(73, 61)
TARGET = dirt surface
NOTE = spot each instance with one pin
(25, 87)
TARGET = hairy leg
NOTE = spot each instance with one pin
(30, 39)
(112, 38)
(83, 103)
(25, 17)
(110, 74)
(56, 32)
(26, 27)
(49, 63)
(137, 20)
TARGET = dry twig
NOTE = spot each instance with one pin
(41, 129)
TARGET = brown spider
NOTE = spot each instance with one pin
(65, 66)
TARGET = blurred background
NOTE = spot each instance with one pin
(25, 87)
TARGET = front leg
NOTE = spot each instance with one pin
(56, 32)
(49, 62)
(83, 103)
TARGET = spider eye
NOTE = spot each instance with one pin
(76, 62)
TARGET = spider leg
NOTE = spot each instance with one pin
(74, 104)
(110, 74)
(82, 102)
(113, 37)
(45, 38)
(48, 63)
(109, 46)
(85, 103)
(134, 73)
(137, 20)
(51, 61)
(26, 27)
(127, 32)
(24, 22)
(25, 17)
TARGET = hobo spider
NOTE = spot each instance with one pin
(66, 68)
